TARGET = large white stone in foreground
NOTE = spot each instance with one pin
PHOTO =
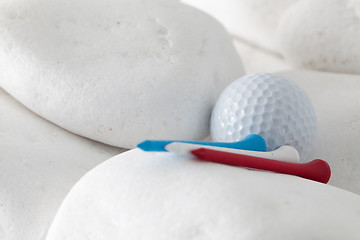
(39, 163)
(141, 195)
(336, 99)
(322, 35)
(116, 71)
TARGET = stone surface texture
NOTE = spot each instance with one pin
(115, 71)
(39, 163)
(142, 195)
(322, 35)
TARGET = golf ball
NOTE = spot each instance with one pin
(268, 105)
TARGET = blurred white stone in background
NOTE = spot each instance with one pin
(253, 21)
(39, 163)
(257, 60)
(322, 35)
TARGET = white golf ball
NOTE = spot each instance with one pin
(269, 105)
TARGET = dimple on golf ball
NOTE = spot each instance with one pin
(268, 105)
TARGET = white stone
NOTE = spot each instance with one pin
(336, 99)
(141, 195)
(322, 35)
(39, 163)
(252, 20)
(257, 60)
(116, 71)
